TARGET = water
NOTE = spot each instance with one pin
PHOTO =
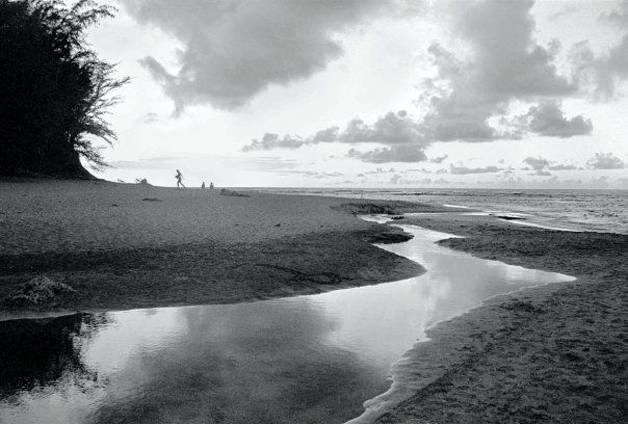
(588, 210)
(307, 359)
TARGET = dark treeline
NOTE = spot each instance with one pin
(54, 90)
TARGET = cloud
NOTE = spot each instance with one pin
(396, 179)
(396, 153)
(380, 171)
(547, 119)
(619, 16)
(150, 118)
(314, 174)
(463, 170)
(539, 165)
(506, 64)
(392, 129)
(562, 167)
(274, 141)
(603, 72)
(439, 159)
(542, 166)
(421, 181)
(605, 161)
(399, 132)
(233, 50)
(565, 11)
(536, 163)
(420, 170)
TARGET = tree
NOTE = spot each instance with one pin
(54, 90)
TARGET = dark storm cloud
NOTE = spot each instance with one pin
(605, 161)
(547, 119)
(234, 49)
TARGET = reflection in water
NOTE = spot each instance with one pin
(308, 359)
(38, 353)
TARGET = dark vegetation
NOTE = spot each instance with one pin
(54, 90)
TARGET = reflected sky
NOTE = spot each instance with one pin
(307, 359)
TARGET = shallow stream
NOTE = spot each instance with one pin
(306, 359)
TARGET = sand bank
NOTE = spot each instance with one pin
(124, 246)
(549, 354)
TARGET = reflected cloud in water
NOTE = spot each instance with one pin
(308, 359)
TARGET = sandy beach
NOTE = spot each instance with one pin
(123, 246)
(549, 354)
(554, 353)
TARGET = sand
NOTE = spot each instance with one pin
(554, 354)
(122, 246)
(557, 353)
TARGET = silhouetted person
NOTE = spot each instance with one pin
(179, 178)
(211, 186)
(203, 185)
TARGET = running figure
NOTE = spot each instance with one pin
(179, 178)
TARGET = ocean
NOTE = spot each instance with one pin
(580, 210)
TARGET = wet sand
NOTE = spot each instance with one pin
(549, 354)
(555, 354)
(123, 246)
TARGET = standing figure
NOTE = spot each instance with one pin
(203, 185)
(179, 178)
(211, 186)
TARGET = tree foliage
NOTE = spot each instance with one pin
(54, 90)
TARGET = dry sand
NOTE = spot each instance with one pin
(552, 354)
(125, 246)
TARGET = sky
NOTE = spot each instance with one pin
(369, 93)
